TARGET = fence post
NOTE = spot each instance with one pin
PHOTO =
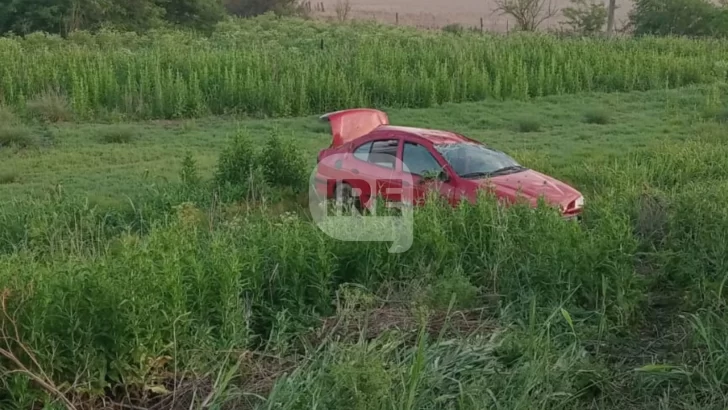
(481, 25)
(396, 18)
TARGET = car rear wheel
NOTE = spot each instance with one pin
(345, 201)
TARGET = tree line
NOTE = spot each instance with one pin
(64, 16)
(692, 18)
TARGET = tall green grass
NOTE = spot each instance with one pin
(98, 294)
(291, 67)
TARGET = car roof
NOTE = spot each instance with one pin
(434, 136)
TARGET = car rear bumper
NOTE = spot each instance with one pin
(320, 183)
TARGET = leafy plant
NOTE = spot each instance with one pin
(454, 285)
(237, 161)
(189, 174)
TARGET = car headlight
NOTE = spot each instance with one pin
(579, 203)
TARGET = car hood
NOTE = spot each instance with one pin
(531, 185)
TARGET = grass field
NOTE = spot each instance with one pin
(79, 157)
(287, 67)
(131, 272)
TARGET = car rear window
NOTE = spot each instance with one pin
(384, 153)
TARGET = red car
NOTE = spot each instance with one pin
(369, 158)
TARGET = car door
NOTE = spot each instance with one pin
(372, 168)
(418, 161)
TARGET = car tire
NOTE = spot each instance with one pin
(344, 198)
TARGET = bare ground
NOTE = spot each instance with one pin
(432, 14)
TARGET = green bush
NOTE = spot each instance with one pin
(237, 163)
(189, 174)
(283, 164)
(453, 285)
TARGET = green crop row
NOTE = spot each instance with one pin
(291, 67)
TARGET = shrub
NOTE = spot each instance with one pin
(118, 135)
(597, 117)
(189, 174)
(283, 164)
(17, 136)
(585, 16)
(248, 8)
(51, 107)
(456, 285)
(528, 125)
(237, 162)
(454, 28)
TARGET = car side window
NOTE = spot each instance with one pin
(362, 152)
(418, 160)
(384, 153)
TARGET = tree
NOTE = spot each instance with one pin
(610, 18)
(200, 14)
(52, 16)
(65, 16)
(529, 14)
(679, 17)
(247, 8)
(585, 16)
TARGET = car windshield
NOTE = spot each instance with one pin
(470, 160)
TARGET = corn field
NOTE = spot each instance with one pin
(290, 67)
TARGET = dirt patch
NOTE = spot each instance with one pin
(259, 372)
(257, 376)
(434, 14)
(371, 324)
